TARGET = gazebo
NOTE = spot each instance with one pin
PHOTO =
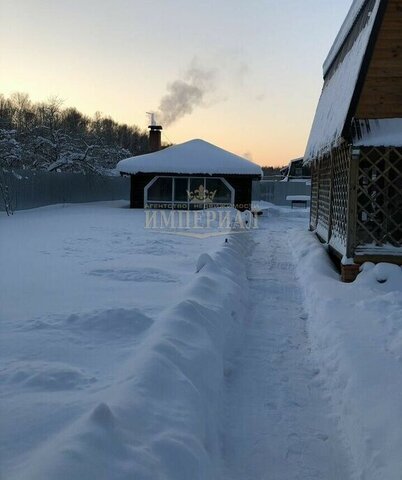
(355, 145)
(190, 176)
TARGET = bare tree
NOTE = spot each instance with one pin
(50, 137)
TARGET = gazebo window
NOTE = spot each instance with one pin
(220, 190)
(180, 189)
(189, 193)
(161, 190)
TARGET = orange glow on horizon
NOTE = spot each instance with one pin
(264, 65)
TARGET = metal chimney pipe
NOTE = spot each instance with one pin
(155, 142)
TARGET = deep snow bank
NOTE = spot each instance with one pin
(159, 420)
(356, 334)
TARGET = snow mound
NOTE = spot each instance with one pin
(103, 416)
(383, 273)
(160, 420)
(203, 260)
(356, 334)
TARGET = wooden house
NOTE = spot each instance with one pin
(190, 176)
(355, 145)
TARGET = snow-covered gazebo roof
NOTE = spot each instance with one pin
(342, 70)
(189, 158)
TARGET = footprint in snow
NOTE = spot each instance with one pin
(47, 376)
(135, 275)
(111, 323)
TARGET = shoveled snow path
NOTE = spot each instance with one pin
(278, 422)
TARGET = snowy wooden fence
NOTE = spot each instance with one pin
(29, 189)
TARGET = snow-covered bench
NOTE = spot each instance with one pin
(298, 200)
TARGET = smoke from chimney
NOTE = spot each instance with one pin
(186, 94)
(203, 86)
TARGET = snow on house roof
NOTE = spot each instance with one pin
(347, 26)
(338, 91)
(192, 157)
(380, 133)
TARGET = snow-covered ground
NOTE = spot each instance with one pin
(356, 334)
(81, 288)
(128, 353)
(278, 423)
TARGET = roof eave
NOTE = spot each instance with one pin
(197, 174)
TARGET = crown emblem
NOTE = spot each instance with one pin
(201, 194)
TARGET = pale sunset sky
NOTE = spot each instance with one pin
(257, 63)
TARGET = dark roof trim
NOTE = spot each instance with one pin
(347, 128)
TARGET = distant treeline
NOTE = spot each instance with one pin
(46, 136)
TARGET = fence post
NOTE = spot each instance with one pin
(352, 202)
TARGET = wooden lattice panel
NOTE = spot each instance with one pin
(324, 197)
(379, 197)
(339, 200)
(314, 196)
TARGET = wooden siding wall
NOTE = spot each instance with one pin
(138, 183)
(243, 191)
(381, 96)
